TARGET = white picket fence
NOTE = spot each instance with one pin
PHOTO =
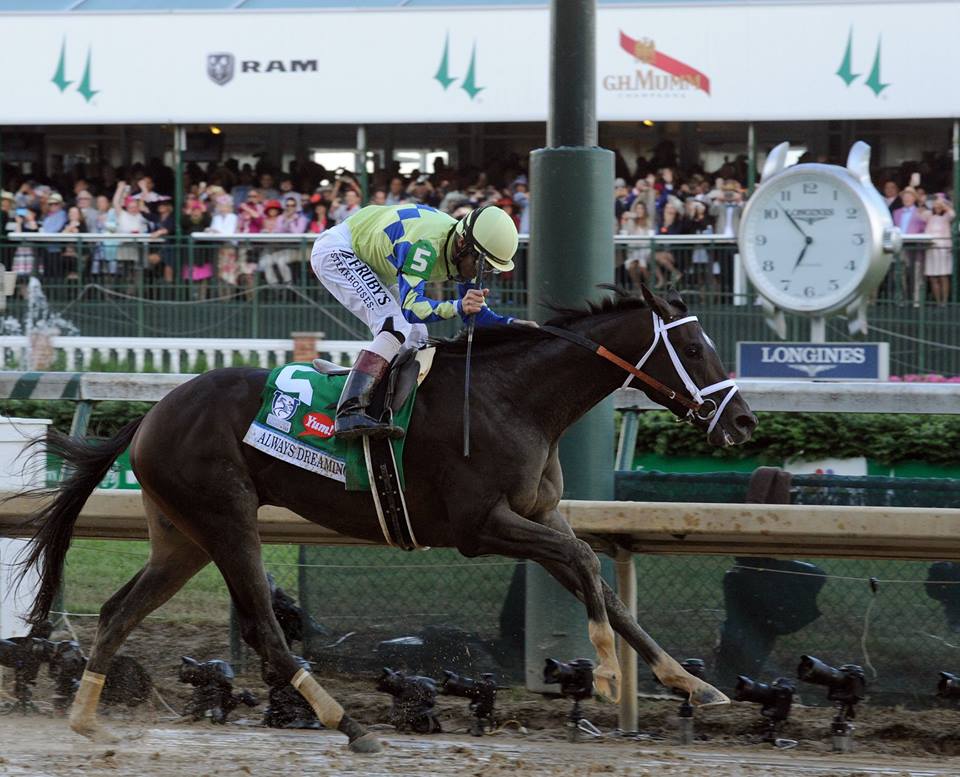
(169, 354)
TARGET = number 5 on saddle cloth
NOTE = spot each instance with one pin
(295, 424)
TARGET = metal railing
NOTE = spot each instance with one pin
(210, 285)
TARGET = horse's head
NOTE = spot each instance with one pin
(684, 359)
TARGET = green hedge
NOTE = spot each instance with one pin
(886, 439)
(105, 420)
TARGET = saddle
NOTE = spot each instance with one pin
(406, 372)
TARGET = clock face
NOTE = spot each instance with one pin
(807, 241)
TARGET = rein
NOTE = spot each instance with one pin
(697, 407)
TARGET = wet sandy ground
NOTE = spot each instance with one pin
(40, 746)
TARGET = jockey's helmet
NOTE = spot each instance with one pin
(491, 232)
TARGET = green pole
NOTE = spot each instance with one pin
(751, 159)
(956, 204)
(178, 146)
(362, 163)
(571, 251)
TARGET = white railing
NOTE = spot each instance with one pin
(172, 354)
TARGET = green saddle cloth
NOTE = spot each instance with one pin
(295, 424)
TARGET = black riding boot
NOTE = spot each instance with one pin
(352, 419)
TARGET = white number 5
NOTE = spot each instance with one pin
(418, 262)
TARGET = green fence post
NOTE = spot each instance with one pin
(255, 310)
(956, 205)
(571, 251)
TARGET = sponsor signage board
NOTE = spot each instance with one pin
(662, 63)
(814, 361)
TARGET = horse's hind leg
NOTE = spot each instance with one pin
(241, 564)
(174, 559)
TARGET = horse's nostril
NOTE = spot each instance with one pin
(746, 422)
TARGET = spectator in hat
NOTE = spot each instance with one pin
(55, 217)
(507, 205)
(273, 262)
(938, 261)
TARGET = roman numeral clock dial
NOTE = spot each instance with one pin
(816, 238)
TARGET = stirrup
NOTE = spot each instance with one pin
(357, 424)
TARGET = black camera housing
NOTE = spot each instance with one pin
(414, 698)
(949, 686)
(575, 678)
(846, 684)
(775, 698)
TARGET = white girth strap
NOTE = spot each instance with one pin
(661, 332)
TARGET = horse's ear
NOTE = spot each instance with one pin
(657, 304)
(673, 297)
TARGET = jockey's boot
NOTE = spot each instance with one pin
(352, 419)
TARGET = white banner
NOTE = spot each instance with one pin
(729, 63)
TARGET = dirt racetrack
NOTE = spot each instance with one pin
(888, 741)
(42, 746)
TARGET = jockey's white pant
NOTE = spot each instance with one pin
(357, 287)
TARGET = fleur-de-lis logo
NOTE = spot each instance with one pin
(845, 72)
(469, 83)
(85, 87)
(645, 50)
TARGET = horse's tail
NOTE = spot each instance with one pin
(86, 463)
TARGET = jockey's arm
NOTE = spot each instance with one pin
(417, 307)
(486, 316)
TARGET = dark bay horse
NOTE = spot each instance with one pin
(202, 486)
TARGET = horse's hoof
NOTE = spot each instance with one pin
(705, 695)
(608, 686)
(95, 733)
(367, 743)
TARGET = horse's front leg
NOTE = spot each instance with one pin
(507, 533)
(664, 666)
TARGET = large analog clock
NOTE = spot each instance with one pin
(815, 238)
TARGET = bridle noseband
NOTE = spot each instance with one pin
(698, 408)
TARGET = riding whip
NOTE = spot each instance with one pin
(466, 378)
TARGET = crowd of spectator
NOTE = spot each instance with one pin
(230, 199)
(218, 201)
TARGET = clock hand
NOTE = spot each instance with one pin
(794, 222)
(807, 241)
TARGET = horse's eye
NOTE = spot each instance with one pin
(692, 350)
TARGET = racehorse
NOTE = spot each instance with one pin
(202, 486)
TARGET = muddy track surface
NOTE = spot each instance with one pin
(888, 741)
(42, 746)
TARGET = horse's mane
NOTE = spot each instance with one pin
(490, 337)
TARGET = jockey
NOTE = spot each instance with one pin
(377, 264)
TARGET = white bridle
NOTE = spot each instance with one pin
(661, 334)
